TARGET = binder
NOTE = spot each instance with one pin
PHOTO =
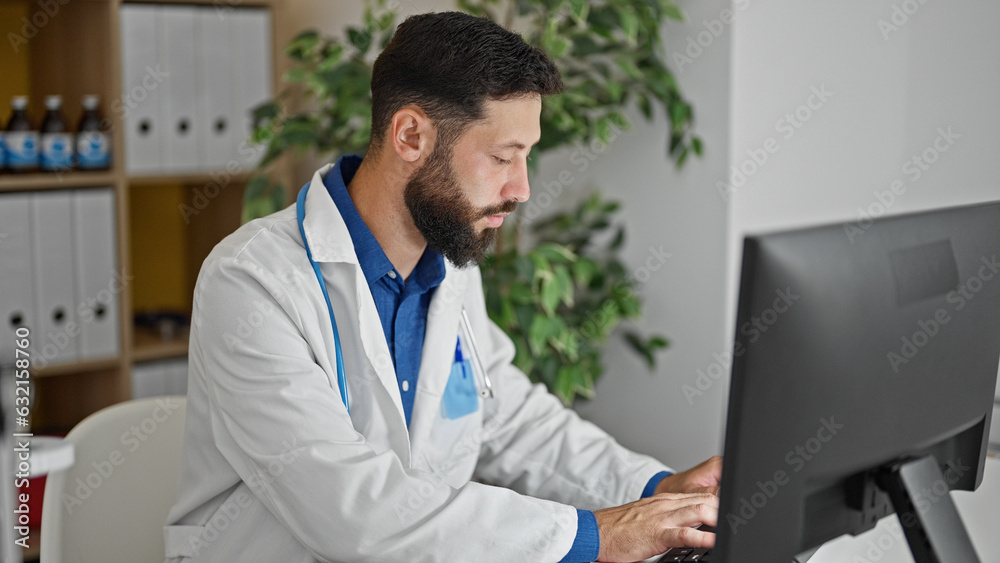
(142, 86)
(176, 372)
(17, 296)
(179, 100)
(251, 48)
(148, 380)
(98, 281)
(56, 338)
(215, 99)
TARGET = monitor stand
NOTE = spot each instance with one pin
(922, 500)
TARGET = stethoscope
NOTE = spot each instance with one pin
(486, 392)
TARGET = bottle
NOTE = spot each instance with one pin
(93, 147)
(21, 139)
(57, 142)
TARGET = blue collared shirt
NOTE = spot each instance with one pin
(402, 304)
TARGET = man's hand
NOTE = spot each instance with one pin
(650, 526)
(702, 478)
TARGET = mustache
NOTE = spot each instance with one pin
(506, 207)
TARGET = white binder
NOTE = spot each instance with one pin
(57, 337)
(179, 100)
(98, 281)
(143, 80)
(215, 84)
(251, 49)
(17, 301)
(176, 372)
(148, 380)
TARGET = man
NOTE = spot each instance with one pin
(410, 464)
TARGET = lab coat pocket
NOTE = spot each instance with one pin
(460, 396)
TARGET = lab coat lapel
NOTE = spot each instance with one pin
(332, 248)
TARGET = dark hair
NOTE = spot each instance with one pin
(449, 64)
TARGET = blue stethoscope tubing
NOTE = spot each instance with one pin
(300, 212)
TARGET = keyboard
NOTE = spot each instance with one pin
(687, 554)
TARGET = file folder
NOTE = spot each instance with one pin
(251, 48)
(176, 372)
(17, 296)
(148, 380)
(179, 100)
(143, 79)
(98, 282)
(215, 78)
(57, 337)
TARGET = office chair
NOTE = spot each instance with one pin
(112, 504)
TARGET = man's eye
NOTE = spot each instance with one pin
(501, 160)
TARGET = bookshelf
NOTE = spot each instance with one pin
(75, 49)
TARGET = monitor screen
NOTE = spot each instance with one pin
(858, 355)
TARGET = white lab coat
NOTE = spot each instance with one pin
(274, 469)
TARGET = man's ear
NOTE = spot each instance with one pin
(412, 134)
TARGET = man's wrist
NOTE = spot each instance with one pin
(654, 484)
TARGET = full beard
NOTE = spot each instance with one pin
(444, 216)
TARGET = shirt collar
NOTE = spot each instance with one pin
(429, 271)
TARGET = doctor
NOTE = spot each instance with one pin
(348, 397)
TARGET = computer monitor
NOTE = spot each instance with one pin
(865, 363)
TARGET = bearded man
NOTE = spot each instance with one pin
(349, 398)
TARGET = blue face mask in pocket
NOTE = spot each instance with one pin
(460, 395)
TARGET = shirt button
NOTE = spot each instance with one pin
(392, 275)
(406, 386)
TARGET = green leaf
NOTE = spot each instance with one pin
(629, 67)
(673, 12)
(361, 39)
(551, 295)
(584, 270)
(619, 240)
(555, 253)
(636, 343)
(564, 285)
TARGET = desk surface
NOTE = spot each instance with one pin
(980, 511)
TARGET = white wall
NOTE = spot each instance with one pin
(892, 92)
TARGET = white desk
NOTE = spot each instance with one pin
(980, 511)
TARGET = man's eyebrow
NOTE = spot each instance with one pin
(513, 145)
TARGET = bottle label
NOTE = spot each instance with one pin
(22, 149)
(57, 151)
(92, 150)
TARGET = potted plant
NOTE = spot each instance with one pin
(562, 294)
